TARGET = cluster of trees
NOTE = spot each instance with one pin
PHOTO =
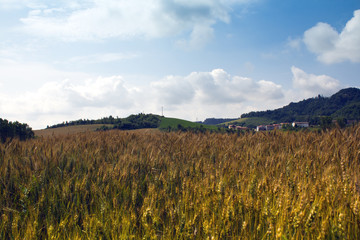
(10, 130)
(106, 120)
(216, 121)
(181, 128)
(138, 121)
(132, 122)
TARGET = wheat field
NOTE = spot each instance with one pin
(172, 185)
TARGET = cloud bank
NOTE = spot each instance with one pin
(58, 101)
(333, 47)
(198, 95)
(215, 88)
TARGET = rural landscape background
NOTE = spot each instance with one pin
(176, 119)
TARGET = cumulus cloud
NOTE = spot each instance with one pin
(333, 47)
(311, 85)
(215, 88)
(65, 98)
(100, 92)
(95, 19)
(173, 90)
(215, 94)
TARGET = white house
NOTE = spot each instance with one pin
(300, 124)
(261, 128)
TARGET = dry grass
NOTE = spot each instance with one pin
(69, 130)
(156, 185)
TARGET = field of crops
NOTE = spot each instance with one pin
(69, 130)
(157, 185)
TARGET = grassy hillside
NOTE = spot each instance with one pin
(173, 123)
(165, 123)
(249, 122)
(174, 185)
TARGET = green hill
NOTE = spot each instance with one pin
(344, 104)
(134, 121)
(175, 123)
(139, 121)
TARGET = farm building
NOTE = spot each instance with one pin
(300, 124)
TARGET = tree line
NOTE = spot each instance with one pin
(10, 130)
(134, 121)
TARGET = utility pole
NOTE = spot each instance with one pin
(162, 111)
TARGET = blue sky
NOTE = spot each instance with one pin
(67, 60)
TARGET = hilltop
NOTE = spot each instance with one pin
(343, 105)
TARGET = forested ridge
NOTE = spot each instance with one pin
(344, 104)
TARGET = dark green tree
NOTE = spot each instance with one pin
(325, 122)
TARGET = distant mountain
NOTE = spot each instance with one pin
(343, 104)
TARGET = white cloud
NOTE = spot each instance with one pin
(321, 38)
(122, 19)
(100, 92)
(334, 47)
(216, 94)
(215, 88)
(65, 100)
(310, 85)
(173, 90)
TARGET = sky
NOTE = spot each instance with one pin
(65, 60)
